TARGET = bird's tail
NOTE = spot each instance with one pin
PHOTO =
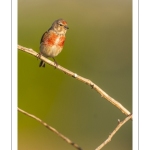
(42, 64)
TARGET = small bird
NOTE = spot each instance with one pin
(52, 41)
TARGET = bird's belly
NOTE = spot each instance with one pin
(50, 51)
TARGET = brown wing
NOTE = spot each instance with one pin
(44, 36)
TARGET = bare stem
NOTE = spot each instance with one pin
(82, 79)
(114, 132)
(50, 128)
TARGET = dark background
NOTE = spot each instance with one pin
(98, 47)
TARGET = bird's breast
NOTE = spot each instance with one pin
(55, 39)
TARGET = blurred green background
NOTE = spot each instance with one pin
(98, 47)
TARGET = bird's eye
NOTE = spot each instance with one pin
(60, 24)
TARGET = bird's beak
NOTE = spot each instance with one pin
(66, 27)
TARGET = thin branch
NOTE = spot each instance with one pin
(114, 132)
(50, 128)
(84, 80)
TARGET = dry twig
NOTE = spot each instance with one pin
(88, 82)
(114, 132)
(50, 128)
(84, 80)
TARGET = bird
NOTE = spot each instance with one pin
(52, 41)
